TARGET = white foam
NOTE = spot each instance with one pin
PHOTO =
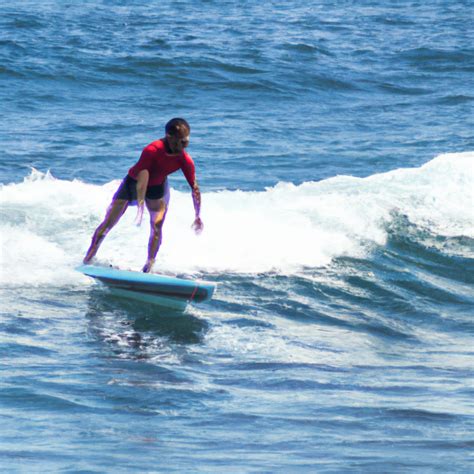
(47, 223)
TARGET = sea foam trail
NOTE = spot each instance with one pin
(47, 223)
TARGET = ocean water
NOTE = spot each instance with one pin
(334, 145)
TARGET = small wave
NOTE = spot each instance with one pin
(11, 71)
(404, 90)
(306, 48)
(455, 99)
(25, 21)
(394, 20)
(432, 59)
(22, 350)
(14, 46)
(284, 229)
(28, 399)
(420, 238)
(425, 415)
(332, 83)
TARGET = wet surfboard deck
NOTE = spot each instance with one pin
(161, 290)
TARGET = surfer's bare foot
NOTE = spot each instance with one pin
(148, 266)
(89, 256)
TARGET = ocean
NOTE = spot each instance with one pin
(334, 149)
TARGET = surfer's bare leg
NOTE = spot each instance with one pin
(157, 209)
(114, 213)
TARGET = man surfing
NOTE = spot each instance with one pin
(146, 183)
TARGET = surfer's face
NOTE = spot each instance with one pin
(177, 143)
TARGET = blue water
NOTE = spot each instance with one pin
(334, 145)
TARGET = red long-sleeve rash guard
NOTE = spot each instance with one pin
(160, 164)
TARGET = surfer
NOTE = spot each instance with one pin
(146, 184)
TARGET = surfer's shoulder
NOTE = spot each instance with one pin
(154, 147)
(186, 157)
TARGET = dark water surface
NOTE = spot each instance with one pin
(334, 149)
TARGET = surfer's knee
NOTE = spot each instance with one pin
(157, 220)
(114, 212)
(157, 226)
(102, 231)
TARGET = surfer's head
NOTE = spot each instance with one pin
(177, 134)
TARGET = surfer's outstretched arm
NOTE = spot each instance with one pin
(197, 224)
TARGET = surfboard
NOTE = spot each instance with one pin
(152, 288)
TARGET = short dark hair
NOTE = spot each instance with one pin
(175, 124)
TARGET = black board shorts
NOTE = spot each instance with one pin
(128, 190)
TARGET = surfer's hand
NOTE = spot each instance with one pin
(140, 208)
(198, 226)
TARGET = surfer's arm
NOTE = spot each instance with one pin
(189, 172)
(142, 183)
(196, 193)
